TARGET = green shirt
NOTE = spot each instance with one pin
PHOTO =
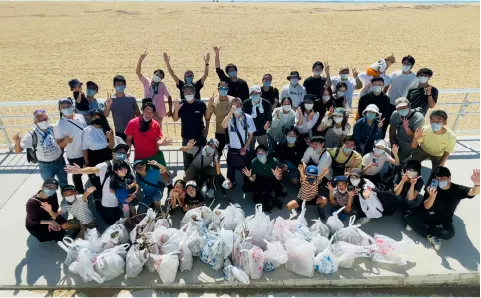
(264, 170)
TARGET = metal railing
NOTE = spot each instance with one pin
(462, 105)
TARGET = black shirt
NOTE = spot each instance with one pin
(445, 203)
(404, 192)
(314, 85)
(84, 103)
(382, 101)
(417, 98)
(238, 88)
(198, 85)
(322, 108)
(270, 95)
(35, 213)
(294, 154)
(261, 118)
(191, 115)
(195, 200)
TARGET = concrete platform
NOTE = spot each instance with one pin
(28, 264)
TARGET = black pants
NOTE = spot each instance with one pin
(110, 214)
(96, 157)
(77, 178)
(264, 185)
(222, 142)
(387, 119)
(424, 226)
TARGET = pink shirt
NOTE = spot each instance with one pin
(159, 98)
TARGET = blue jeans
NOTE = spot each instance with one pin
(149, 200)
(57, 168)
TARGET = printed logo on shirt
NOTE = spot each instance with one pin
(295, 93)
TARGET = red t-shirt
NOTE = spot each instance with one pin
(145, 143)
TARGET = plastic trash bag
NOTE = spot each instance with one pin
(115, 235)
(147, 224)
(388, 251)
(92, 236)
(334, 223)
(319, 242)
(259, 227)
(351, 234)
(217, 215)
(325, 262)
(303, 232)
(166, 266)
(232, 216)
(174, 243)
(255, 257)
(232, 273)
(320, 228)
(185, 258)
(111, 262)
(300, 256)
(84, 266)
(274, 256)
(239, 253)
(213, 252)
(202, 213)
(301, 219)
(70, 248)
(135, 261)
(345, 253)
(163, 222)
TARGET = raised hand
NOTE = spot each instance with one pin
(404, 177)
(207, 58)
(109, 134)
(108, 101)
(46, 206)
(267, 125)
(278, 114)
(165, 142)
(352, 193)
(75, 169)
(211, 99)
(191, 144)
(91, 189)
(395, 149)
(310, 116)
(177, 105)
(142, 57)
(432, 192)
(418, 133)
(329, 186)
(327, 67)
(414, 180)
(379, 125)
(277, 172)
(406, 124)
(331, 110)
(16, 137)
(216, 50)
(166, 58)
(347, 172)
(355, 73)
(247, 172)
(308, 141)
(475, 177)
(427, 90)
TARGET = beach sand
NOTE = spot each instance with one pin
(44, 44)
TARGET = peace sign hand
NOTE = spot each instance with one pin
(207, 58)
(177, 105)
(379, 125)
(418, 133)
(108, 101)
(354, 73)
(142, 57)
(475, 177)
(327, 67)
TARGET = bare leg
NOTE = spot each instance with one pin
(292, 205)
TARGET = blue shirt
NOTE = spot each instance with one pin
(366, 135)
(152, 177)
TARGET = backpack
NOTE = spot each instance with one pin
(109, 173)
(32, 152)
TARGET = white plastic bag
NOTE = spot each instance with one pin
(388, 251)
(351, 234)
(232, 273)
(334, 223)
(163, 222)
(213, 252)
(325, 262)
(147, 224)
(217, 215)
(174, 243)
(301, 219)
(71, 249)
(300, 256)
(166, 266)
(115, 235)
(259, 227)
(84, 266)
(136, 259)
(202, 213)
(239, 253)
(255, 257)
(185, 258)
(319, 227)
(274, 256)
(232, 216)
(92, 236)
(320, 243)
(110, 263)
(345, 253)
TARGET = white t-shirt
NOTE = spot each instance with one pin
(234, 141)
(93, 138)
(306, 125)
(372, 207)
(66, 126)
(351, 86)
(366, 82)
(47, 150)
(295, 93)
(322, 162)
(400, 84)
(368, 159)
(108, 199)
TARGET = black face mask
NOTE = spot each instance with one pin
(144, 125)
(75, 94)
(98, 122)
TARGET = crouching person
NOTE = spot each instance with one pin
(78, 206)
(204, 162)
(407, 186)
(309, 191)
(372, 204)
(149, 178)
(193, 198)
(176, 197)
(434, 218)
(339, 196)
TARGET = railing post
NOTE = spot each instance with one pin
(461, 112)
(6, 138)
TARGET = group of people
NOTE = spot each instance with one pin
(300, 135)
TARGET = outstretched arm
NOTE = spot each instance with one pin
(169, 69)
(206, 69)
(138, 70)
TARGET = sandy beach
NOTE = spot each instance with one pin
(44, 44)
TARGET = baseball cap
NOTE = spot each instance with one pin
(92, 84)
(51, 181)
(340, 179)
(294, 74)
(309, 97)
(312, 171)
(65, 100)
(356, 173)
(213, 141)
(74, 83)
(121, 146)
(68, 187)
(137, 162)
(255, 88)
(191, 183)
(382, 143)
(345, 67)
(401, 102)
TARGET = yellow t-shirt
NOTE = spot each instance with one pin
(220, 108)
(355, 162)
(435, 144)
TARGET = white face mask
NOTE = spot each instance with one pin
(325, 98)
(67, 111)
(189, 97)
(337, 119)
(406, 68)
(344, 76)
(355, 181)
(340, 93)
(70, 199)
(286, 108)
(309, 106)
(423, 80)
(411, 174)
(378, 151)
(156, 79)
(43, 124)
(377, 89)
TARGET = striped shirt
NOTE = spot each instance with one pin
(80, 210)
(341, 198)
(308, 190)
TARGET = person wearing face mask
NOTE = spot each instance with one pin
(124, 107)
(149, 177)
(71, 125)
(124, 185)
(237, 86)
(78, 206)
(282, 118)
(264, 175)
(260, 110)
(193, 197)
(376, 97)
(404, 122)
(81, 103)
(314, 83)
(434, 141)
(407, 186)
(356, 180)
(317, 154)
(368, 129)
(41, 144)
(155, 89)
(377, 69)
(97, 139)
(269, 93)
(335, 128)
(345, 157)
(240, 128)
(188, 76)
(106, 204)
(425, 96)
(351, 83)
(204, 161)
(43, 212)
(325, 103)
(434, 218)
(339, 99)
(306, 117)
(290, 152)
(94, 103)
(373, 162)
(220, 107)
(294, 90)
(192, 111)
(339, 195)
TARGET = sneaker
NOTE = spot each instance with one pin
(321, 213)
(293, 213)
(435, 242)
(408, 228)
(363, 220)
